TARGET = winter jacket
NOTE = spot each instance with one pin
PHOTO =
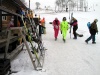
(93, 28)
(42, 22)
(64, 26)
(56, 24)
(74, 23)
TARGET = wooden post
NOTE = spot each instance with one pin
(7, 44)
(0, 16)
(0, 20)
(0, 2)
(16, 21)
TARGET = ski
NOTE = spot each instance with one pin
(38, 40)
(30, 40)
(70, 25)
(79, 35)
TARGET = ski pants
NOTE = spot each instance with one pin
(74, 31)
(64, 33)
(56, 31)
(91, 37)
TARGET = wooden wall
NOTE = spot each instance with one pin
(9, 5)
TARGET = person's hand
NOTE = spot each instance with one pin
(97, 32)
(61, 32)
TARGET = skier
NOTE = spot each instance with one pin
(56, 24)
(64, 28)
(74, 23)
(93, 30)
(42, 23)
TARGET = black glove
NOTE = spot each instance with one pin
(97, 32)
(61, 32)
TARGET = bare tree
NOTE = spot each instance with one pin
(37, 5)
(71, 5)
(57, 5)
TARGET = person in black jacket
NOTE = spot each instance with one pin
(93, 30)
(74, 23)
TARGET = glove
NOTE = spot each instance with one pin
(97, 32)
(61, 32)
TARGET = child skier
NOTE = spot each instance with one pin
(64, 28)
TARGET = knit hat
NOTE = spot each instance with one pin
(96, 20)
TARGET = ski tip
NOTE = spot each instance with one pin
(46, 49)
(41, 69)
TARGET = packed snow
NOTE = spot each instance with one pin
(74, 57)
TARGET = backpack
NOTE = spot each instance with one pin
(88, 25)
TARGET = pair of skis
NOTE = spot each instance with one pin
(33, 48)
(70, 19)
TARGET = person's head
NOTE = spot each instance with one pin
(64, 18)
(12, 19)
(35, 15)
(56, 18)
(96, 20)
(43, 18)
(73, 18)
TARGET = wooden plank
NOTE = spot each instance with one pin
(15, 21)
(8, 11)
(0, 20)
(0, 2)
(3, 41)
(7, 44)
(14, 53)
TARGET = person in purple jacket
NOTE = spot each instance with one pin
(74, 23)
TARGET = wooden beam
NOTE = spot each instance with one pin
(0, 2)
(15, 21)
(7, 44)
(7, 14)
(0, 21)
(9, 11)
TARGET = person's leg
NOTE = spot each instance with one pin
(64, 36)
(55, 34)
(88, 39)
(74, 32)
(93, 39)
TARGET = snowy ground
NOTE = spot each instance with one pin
(74, 57)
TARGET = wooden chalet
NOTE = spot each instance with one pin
(12, 38)
(7, 11)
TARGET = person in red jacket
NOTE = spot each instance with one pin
(56, 24)
(42, 22)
